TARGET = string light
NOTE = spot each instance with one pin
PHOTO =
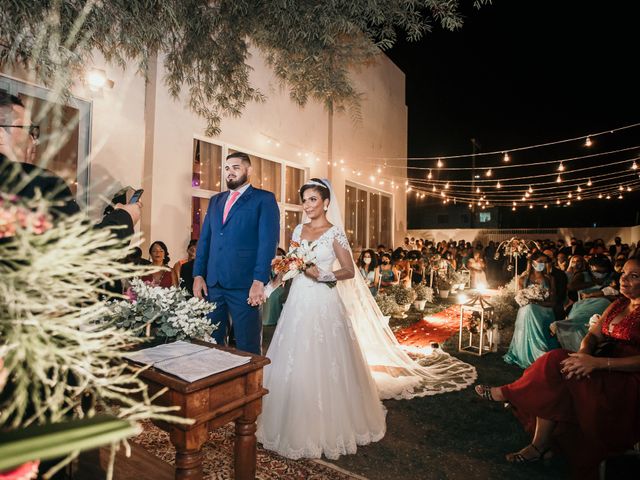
(526, 194)
(579, 197)
(440, 164)
(559, 179)
(478, 190)
(561, 167)
(530, 189)
(489, 173)
(621, 188)
(628, 189)
(588, 142)
(620, 196)
(634, 165)
(546, 206)
(429, 176)
(589, 183)
(608, 197)
(446, 186)
(578, 189)
(558, 202)
(498, 185)
(600, 196)
(506, 158)
(434, 188)
(530, 207)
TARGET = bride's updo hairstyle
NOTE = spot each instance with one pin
(317, 185)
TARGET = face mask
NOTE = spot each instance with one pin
(539, 267)
(573, 244)
(367, 261)
(600, 275)
(385, 262)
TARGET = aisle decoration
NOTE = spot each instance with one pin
(513, 249)
(533, 293)
(63, 361)
(169, 314)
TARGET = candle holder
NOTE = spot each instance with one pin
(483, 311)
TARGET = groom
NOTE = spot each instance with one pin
(233, 260)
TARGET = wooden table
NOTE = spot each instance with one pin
(233, 395)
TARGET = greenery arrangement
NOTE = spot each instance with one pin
(402, 295)
(63, 360)
(204, 46)
(423, 292)
(387, 304)
(168, 314)
(443, 282)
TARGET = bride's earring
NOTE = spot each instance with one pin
(326, 208)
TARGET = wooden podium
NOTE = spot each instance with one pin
(232, 395)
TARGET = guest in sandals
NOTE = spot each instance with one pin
(584, 404)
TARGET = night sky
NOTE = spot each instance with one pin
(520, 73)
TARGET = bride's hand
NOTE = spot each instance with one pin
(312, 272)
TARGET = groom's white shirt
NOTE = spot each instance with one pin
(240, 190)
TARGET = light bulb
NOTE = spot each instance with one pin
(628, 189)
(530, 207)
(514, 204)
(608, 197)
(478, 190)
(634, 165)
(530, 189)
(526, 194)
(379, 170)
(621, 188)
(546, 206)
(600, 196)
(559, 179)
(569, 195)
(489, 173)
(620, 196)
(442, 193)
(440, 164)
(579, 189)
(429, 175)
(579, 197)
(498, 185)
(513, 208)
(589, 183)
(561, 167)
(433, 188)
(446, 186)
(588, 142)
(568, 203)
(558, 202)
(506, 158)
(524, 198)
(471, 205)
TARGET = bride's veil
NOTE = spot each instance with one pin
(396, 374)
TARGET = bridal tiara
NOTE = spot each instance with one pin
(317, 184)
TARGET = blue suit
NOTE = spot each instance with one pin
(232, 255)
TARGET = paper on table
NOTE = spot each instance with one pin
(165, 351)
(201, 364)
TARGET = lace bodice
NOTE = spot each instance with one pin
(325, 254)
(628, 329)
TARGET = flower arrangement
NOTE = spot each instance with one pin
(387, 304)
(443, 282)
(402, 295)
(170, 313)
(63, 362)
(533, 293)
(299, 257)
(423, 292)
(515, 247)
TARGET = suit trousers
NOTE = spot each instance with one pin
(247, 326)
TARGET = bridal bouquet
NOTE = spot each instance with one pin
(531, 294)
(167, 312)
(299, 257)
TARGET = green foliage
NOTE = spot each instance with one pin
(387, 304)
(205, 45)
(402, 295)
(423, 292)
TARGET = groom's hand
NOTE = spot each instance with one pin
(256, 294)
(200, 287)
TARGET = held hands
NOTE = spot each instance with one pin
(256, 294)
(312, 272)
(579, 365)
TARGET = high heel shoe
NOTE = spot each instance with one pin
(518, 457)
(484, 391)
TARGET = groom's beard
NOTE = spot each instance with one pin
(238, 182)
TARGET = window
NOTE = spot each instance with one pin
(198, 211)
(291, 219)
(294, 179)
(485, 217)
(207, 166)
(368, 217)
(267, 175)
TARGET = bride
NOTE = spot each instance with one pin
(333, 354)
(322, 398)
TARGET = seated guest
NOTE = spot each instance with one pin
(578, 276)
(593, 301)
(584, 404)
(401, 264)
(417, 267)
(163, 277)
(367, 264)
(272, 307)
(386, 274)
(191, 254)
(532, 337)
(560, 280)
(561, 262)
(184, 277)
(616, 248)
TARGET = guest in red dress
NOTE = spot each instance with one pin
(585, 404)
(159, 254)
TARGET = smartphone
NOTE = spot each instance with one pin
(136, 196)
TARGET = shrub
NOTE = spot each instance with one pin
(424, 292)
(387, 304)
(402, 295)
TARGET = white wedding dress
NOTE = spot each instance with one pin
(322, 397)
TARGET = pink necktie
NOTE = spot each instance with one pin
(232, 200)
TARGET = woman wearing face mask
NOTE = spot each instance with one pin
(386, 274)
(532, 336)
(367, 265)
(578, 277)
(593, 301)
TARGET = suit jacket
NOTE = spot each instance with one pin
(236, 253)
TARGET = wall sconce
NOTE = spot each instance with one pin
(96, 79)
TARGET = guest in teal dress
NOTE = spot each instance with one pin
(592, 301)
(272, 308)
(532, 336)
(367, 266)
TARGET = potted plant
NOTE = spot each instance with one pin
(424, 294)
(387, 305)
(444, 286)
(403, 296)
